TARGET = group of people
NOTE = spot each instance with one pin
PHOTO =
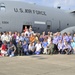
(29, 43)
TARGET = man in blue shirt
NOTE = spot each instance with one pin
(25, 48)
(44, 45)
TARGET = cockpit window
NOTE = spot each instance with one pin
(2, 7)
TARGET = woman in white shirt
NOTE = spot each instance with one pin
(38, 48)
(31, 48)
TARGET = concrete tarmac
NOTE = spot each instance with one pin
(38, 65)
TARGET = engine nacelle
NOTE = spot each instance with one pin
(69, 29)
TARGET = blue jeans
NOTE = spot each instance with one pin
(10, 52)
(26, 52)
(37, 52)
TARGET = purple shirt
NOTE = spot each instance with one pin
(66, 38)
(60, 46)
(55, 40)
(70, 38)
(67, 46)
(59, 37)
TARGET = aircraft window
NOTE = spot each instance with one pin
(48, 26)
(2, 7)
(67, 24)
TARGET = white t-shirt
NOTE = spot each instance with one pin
(31, 47)
(2, 37)
(38, 47)
(17, 39)
(27, 33)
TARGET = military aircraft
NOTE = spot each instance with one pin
(15, 15)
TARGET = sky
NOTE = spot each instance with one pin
(65, 4)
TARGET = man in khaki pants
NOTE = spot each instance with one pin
(50, 48)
